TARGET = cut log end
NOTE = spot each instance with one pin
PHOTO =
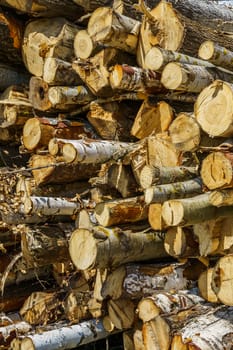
(172, 76)
(69, 153)
(31, 133)
(175, 241)
(222, 280)
(27, 344)
(38, 94)
(116, 76)
(82, 249)
(83, 45)
(99, 24)
(204, 285)
(172, 213)
(147, 310)
(154, 59)
(206, 50)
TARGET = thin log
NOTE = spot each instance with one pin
(180, 242)
(95, 251)
(162, 193)
(43, 245)
(128, 78)
(157, 58)
(66, 336)
(191, 78)
(218, 55)
(59, 72)
(114, 29)
(121, 211)
(154, 175)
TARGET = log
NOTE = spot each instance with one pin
(180, 242)
(191, 78)
(128, 78)
(10, 75)
(156, 334)
(221, 198)
(37, 132)
(121, 313)
(121, 211)
(93, 151)
(154, 175)
(95, 251)
(112, 121)
(61, 98)
(128, 8)
(218, 55)
(50, 170)
(76, 306)
(122, 179)
(155, 217)
(217, 170)
(45, 38)
(153, 118)
(210, 103)
(66, 336)
(205, 288)
(46, 8)
(95, 73)
(43, 245)
(138, 281)
(138, 340)
(92, 5)
(84, 46)
(172, 30)
(162, 193)
(60, 72)
(166, 303)
(10, 331)
(213, 330)
(190, 211)
(157, 58)
(113, 29)
(222, 280)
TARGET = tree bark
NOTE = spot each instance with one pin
(43, 245)
(9, 332)
(121, 211)
(128, 78)
(218, 55)
(107, 248)
(45, 38)
(152, 118)
(162, 193)
(11, 76)
(113, 29)
(215, 101)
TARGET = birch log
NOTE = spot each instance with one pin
(162, 193)
(218, 55)
(93, 151)
(191, 78)
(157, 58)
(111, 247)
(113, 29)
(66, 336)
(121, 211)
(59, 72)
(214, 111)
(9, 332)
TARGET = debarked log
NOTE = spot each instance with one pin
(111, 247)
(43, 245)
(162, 193)
(66, 336)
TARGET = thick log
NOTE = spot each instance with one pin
(121, 211)
(153, 118)
(154, 175)
(128, 78)
(37, 132)
(122, 312)
(66, 336)
(172, 30)
(112, 120)
(191, 78)
(95, 73)
(162, 193)
(218, 55)
(217, 170)
(106, 248)
(157, 58)
(45, 38)
(204, 285)
(113, 29)
(222, 280)
(166, 303)
(46, 8)
(213, 109)
(190, 211)
(212, 331)
(93, 151)
(137, 281)
(180, 242)
(43, 245)
(49, 170)
(59, 72)
(62, 98)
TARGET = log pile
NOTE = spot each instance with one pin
(116, 177)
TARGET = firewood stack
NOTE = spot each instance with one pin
(116, 182)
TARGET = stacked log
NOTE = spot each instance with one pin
(116, 174)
